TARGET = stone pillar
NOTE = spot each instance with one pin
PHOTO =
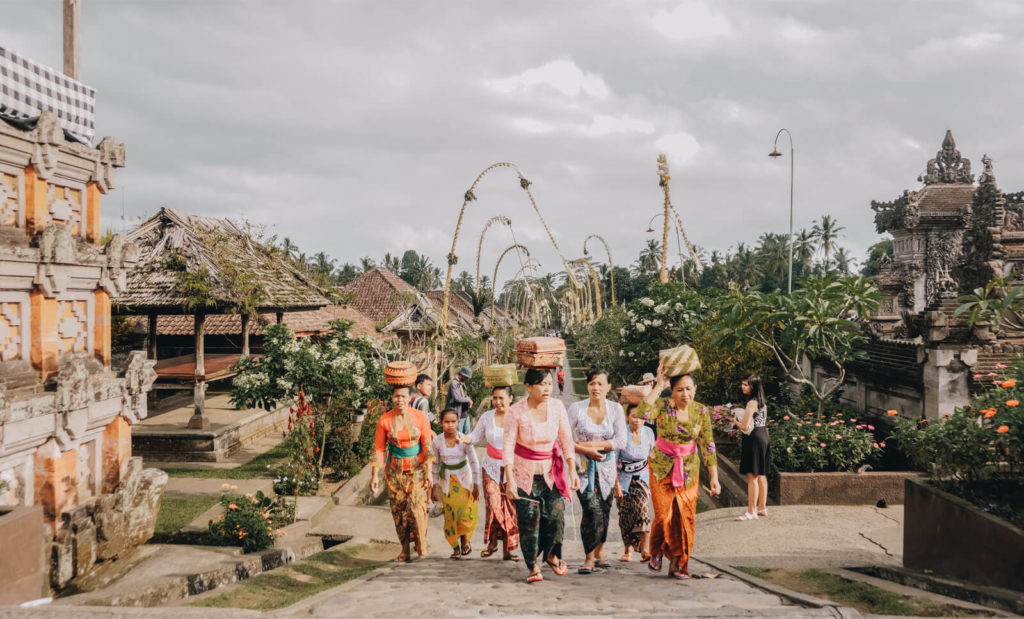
(245, 335)
(280, 317)
(43, 328)
(117, 450)
(56, 480)
(152, 336)
(36, 211)
(945, 380)
(102, 332)
(199, 420)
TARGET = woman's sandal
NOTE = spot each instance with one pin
(654, 564)
(532, 578)
(645, 557)
(763, 513)
(626, 558)
(561, 569)
(746, 516)
(486, 552)
(456, 554)
(679, 574)
(402, 558)
(508, 556)
(601, 563)
(467, 549)
(583, 569)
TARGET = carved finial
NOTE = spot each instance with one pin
(948, 166)
(988, 177)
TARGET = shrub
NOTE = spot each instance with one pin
(818, 443)
(250, 521)
(286, 475)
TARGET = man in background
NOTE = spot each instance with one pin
(421, 397)
(459, 399)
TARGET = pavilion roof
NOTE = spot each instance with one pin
(309, 322)
(172, 240)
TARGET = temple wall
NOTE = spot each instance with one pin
(65, 417)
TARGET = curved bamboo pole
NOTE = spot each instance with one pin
(663, 178)
(480, 245)
(469, 197)
(611, 265)
(494, 279)
(686, 240)
(596, 282)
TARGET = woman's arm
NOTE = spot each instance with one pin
(748, 417)
(479, 430)
(474, 465)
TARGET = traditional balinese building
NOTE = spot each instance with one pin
(70, 491)
(950, 236)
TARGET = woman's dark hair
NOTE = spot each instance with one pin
(535, 376)
(507, 390)
(395, 388)
(594, 373)
(674, 380)
(420, 378)
(449, 410)
(756, 389)
(630, 408)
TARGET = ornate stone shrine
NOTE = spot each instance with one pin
(68, 481)
(949, 237)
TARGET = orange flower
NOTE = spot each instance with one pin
(892, 413)
(989, 413)
(232, 506)
(1003, 429)
(1012, 403)
(1008, 383)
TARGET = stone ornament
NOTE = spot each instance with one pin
(948, 166)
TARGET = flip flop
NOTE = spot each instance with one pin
(486, 552)
(601, 563)
(763, 513)
(561, 569)
(679, 575)
(654, 565)
(510, 557)
(456, 554)
(583, 569)
(626, 558)
(468, 549)
(532, 578)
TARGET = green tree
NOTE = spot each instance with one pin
(878, 252)
(826, 233)
(817, 322)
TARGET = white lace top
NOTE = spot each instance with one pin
(494, 436)
(467, 475)
(612, 428)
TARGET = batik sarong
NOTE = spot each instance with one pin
(540, 515)
(594, 524)
(408, 499)
(460, 512)
(500, 519)
(675, 509)
(634, 515)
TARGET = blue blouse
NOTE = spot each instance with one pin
(635, 453)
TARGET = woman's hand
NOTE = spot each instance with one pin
(465, 439)
(617, 490)
(476, 492)
(716, 488)
(511, 491)
(661, 382)
(574, 479)
(374, 482)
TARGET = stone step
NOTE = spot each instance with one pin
(314, 509)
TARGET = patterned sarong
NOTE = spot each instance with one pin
(500, 519)
(634, 515)
(460, 512)
(594, 524)
(408, 499)
(541, 519)
(675, 509)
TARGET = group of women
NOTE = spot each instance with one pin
(537, 453)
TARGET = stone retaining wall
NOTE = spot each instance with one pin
(843, 488)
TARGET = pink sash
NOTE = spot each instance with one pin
(558, 472)
(677, 452)
(493, 452)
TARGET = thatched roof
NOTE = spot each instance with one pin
(174, 245)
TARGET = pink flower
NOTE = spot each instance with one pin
(822, 444)
(853, 421)
(871, 427)
(839, 436)
(786, 417)
(817, 425)
(875, 445)
(789, 450)
(991, 374)
(977, 376)
(1000, 366)
(882, 444)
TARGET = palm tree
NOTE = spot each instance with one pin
(745, 268)
(649, 261)
(844, 262)
(366, 263)
(826, 233)
(288, 248)
(803, 250)
(323, 264)
(773, 256)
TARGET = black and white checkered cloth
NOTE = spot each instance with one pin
(28, 88)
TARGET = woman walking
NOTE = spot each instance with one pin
(500, 521)
(684, 427)
(402, 446)
(456, 484)
(632, 487)
(599, 427)
(539, 469)
(754, 448)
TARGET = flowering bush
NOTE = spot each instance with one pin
(250, 521)
(810, 442)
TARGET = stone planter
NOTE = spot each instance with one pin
(23, 569)
(843, 488)
(949, 536)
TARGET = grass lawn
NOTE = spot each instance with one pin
(257, 467)
(287, 585)
(175, 513)
(864, 597)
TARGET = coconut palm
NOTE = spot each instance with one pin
(826, 233)
(649, 261)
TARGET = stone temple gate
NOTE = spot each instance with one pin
(950, 236)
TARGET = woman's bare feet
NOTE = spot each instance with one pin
(627, 556)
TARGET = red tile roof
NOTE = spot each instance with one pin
(301, 323)
(374, 293)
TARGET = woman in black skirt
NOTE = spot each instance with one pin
(754, 449)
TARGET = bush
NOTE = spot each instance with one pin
(819, 443)
(286, 475)
(249, 521)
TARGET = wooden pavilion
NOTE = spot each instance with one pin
(200, 266)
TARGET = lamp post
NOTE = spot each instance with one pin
(775, 153)
(679, 243)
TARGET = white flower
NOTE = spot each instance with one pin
(661, 309)
(647, 302)
(622, 353)
(656, 322)
(631, 353)
(640, 328)
(679, 306)
(622, 331)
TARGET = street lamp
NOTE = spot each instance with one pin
(679, 243)
(775, 153)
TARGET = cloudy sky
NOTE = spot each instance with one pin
(356, 127)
